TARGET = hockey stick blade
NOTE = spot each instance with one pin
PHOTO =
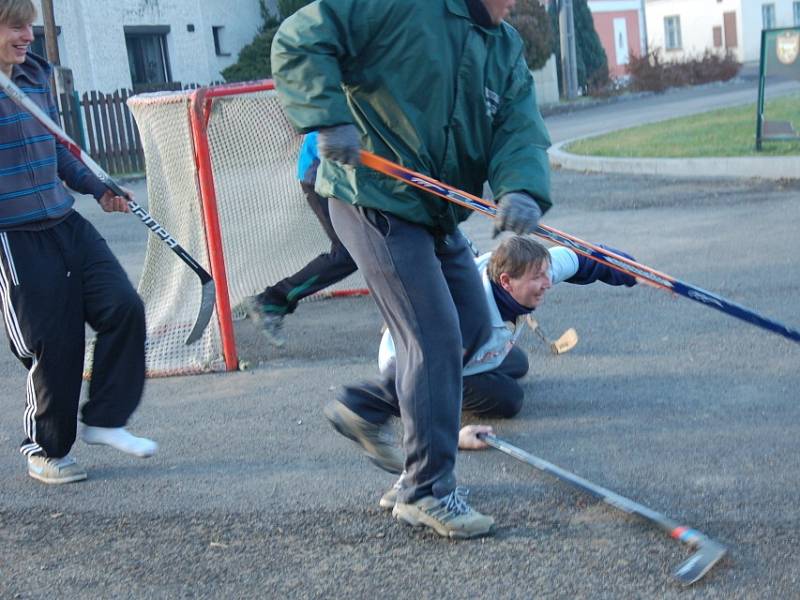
(691, 570)
(698, 564)
(601, 255)
(208, 293)
(565, 343)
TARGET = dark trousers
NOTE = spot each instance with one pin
(494, 394)
(323, 271)
(431, 297)
(52, 283)
(497, 393)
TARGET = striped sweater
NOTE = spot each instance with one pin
(33, 166)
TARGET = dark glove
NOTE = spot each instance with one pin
(517, 212)
(341, 143)
(589, 271)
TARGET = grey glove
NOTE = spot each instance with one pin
(341, 143)
(517, 212)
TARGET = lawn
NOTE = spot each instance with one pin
(726, 132)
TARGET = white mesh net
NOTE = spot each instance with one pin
(268, 231)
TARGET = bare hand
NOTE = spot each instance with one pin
(468, 437)
(113, 203)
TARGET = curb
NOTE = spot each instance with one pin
(773, 167)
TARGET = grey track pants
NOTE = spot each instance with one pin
(429, 292)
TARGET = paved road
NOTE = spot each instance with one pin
(675, 103)
(675, 405)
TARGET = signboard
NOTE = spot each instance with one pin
(780, 58)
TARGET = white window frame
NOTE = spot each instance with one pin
(672, 33)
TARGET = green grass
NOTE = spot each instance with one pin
(726, 132)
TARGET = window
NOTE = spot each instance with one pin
(672, 32)
(147, 55)
(796, 8)
(219, 48)
(717, 34)
(729, 24)
(768, 16)
(38, 46)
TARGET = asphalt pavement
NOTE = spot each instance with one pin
(664, 400)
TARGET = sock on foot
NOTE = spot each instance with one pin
(121, 439)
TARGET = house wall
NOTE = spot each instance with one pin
(698, 17)
(604, 25)
(697, 20)
(545, 81)
(92, 37)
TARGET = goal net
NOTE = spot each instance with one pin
(222, 179)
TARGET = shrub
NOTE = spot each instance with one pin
(253, 61)
(286, 8)
(650, 73)
(531, 20)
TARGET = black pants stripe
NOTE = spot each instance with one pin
(52, 283)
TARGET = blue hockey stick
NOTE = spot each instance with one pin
(601, 255)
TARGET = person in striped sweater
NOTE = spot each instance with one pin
(57, 274)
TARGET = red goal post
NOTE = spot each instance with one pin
(222, 176)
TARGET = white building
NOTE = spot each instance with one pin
(687, 28)
(113, 44)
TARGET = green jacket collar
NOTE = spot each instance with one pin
(459, 7)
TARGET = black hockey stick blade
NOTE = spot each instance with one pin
(209, 297)
(698, 564)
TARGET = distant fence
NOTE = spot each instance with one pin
(103, 126)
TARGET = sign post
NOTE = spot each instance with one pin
(780, 57)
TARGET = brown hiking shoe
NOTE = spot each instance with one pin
(376, 440)
(450, 516)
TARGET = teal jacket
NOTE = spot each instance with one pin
(427, 87)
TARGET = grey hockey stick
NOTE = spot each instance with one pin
(208, 297)
(708, 552)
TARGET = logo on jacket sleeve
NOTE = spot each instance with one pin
(492, 102)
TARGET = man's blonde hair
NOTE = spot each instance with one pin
(515, 256)
(17, 12)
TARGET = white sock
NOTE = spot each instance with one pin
(119, 438)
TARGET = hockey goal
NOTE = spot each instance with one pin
(222, 179)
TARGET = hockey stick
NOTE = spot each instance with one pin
(708, 552)
(207, 283)
(606, 257)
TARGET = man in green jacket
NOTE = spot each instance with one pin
(440, 86)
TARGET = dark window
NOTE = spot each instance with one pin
(38, 46)
(148, 59)
(219, 47)
(672, 32)
(768, 16)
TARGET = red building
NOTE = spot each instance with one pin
(620, 25)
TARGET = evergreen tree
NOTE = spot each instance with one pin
(530, 19)
(253, 61)
(591, 56)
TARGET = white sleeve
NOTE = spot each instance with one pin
(563, 264)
